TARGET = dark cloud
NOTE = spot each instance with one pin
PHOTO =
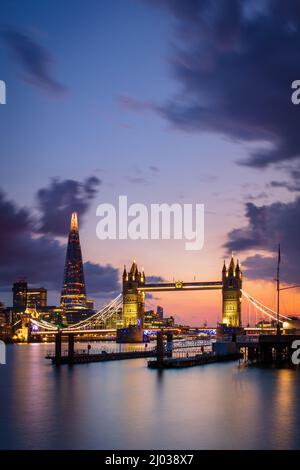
(41, 258)
(24, 255)
(101, 280)
(267, 226)
(146, 176)
(252, 197)
(261, 267)
(293, 183)
(286, 184)
(154, 168)
(235, 62)
(60, 199)
(153, 279)
(34, 59)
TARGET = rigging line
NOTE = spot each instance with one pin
(256, 302)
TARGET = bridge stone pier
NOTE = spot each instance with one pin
(133, 306)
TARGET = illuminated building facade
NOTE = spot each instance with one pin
(160, 312)
(20, 295)
(2, 315)
(232, 284)
(73, 295)
(156, 320)
(36, 298)
(25, 297)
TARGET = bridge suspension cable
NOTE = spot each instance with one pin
(101, 316)
(263, 308)
(43, 324)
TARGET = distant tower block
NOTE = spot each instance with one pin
(73, 293)
(232, 285)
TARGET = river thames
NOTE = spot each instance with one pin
(124, 405)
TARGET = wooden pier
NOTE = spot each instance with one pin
(166, 361)
(198, 360)
(76, 357)
(84, 358)
(267, 349)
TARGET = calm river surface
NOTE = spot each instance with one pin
(124, 405)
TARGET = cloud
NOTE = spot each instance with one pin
(35, 61)
(41, 258)
(293, 185)
(101, 279)
(286, 184)
(156, 279)
(255, 197)
(261, 267)
(145, 176)
(267, 226)
(60, 199)
(235, 62)
(137, 180)
(154, 168)
(22, 254)
(130, 103)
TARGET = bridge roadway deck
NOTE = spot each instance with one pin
(179, 286)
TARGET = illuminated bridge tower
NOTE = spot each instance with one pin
(133, 305)
(232, 295)
(73, 294)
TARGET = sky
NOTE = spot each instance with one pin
(163, 101)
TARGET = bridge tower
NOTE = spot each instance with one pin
(133, 305)
(232, 278)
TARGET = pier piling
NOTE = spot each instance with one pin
(160, 348)
(71, 343)
(58, 349)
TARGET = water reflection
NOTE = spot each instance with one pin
(123, 404)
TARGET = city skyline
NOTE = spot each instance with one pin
(150, 227)
(73, 298)
(125, 107)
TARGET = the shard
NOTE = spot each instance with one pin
(73, 295)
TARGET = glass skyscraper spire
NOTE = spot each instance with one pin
(73, 295)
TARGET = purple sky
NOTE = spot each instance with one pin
(162, 101)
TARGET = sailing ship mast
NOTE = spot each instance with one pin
(278, 292)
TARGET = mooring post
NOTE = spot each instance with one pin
(160, 348)
(57, 359)
(71, 341)
(170, 344)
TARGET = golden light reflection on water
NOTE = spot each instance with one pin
(283, 422)
(123, 404)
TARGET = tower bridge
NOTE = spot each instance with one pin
(135, 287)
